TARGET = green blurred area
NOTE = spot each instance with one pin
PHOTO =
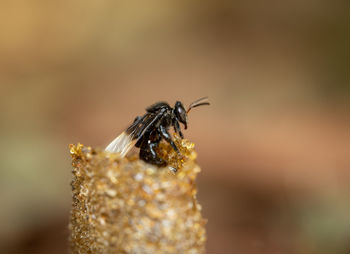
(274, 146)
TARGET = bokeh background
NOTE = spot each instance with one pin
(274, 146)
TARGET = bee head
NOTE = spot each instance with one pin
(180, 113)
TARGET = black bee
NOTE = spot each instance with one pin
(148, 130)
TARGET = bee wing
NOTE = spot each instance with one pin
(127, 139)
(121, 144)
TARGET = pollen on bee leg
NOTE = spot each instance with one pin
(124, 205)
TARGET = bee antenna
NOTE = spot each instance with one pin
(200, 102)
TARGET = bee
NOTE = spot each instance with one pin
(148, 130)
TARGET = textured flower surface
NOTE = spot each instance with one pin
(124, 205)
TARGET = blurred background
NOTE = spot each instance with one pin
(274, 146)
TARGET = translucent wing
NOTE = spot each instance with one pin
(127, 139)
(121, 144)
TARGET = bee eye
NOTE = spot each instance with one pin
(180, 112)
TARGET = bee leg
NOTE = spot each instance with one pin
(148, 154)
(181, 135)
(165, 134)
(177, 128)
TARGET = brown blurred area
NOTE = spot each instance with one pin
(274, 146)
